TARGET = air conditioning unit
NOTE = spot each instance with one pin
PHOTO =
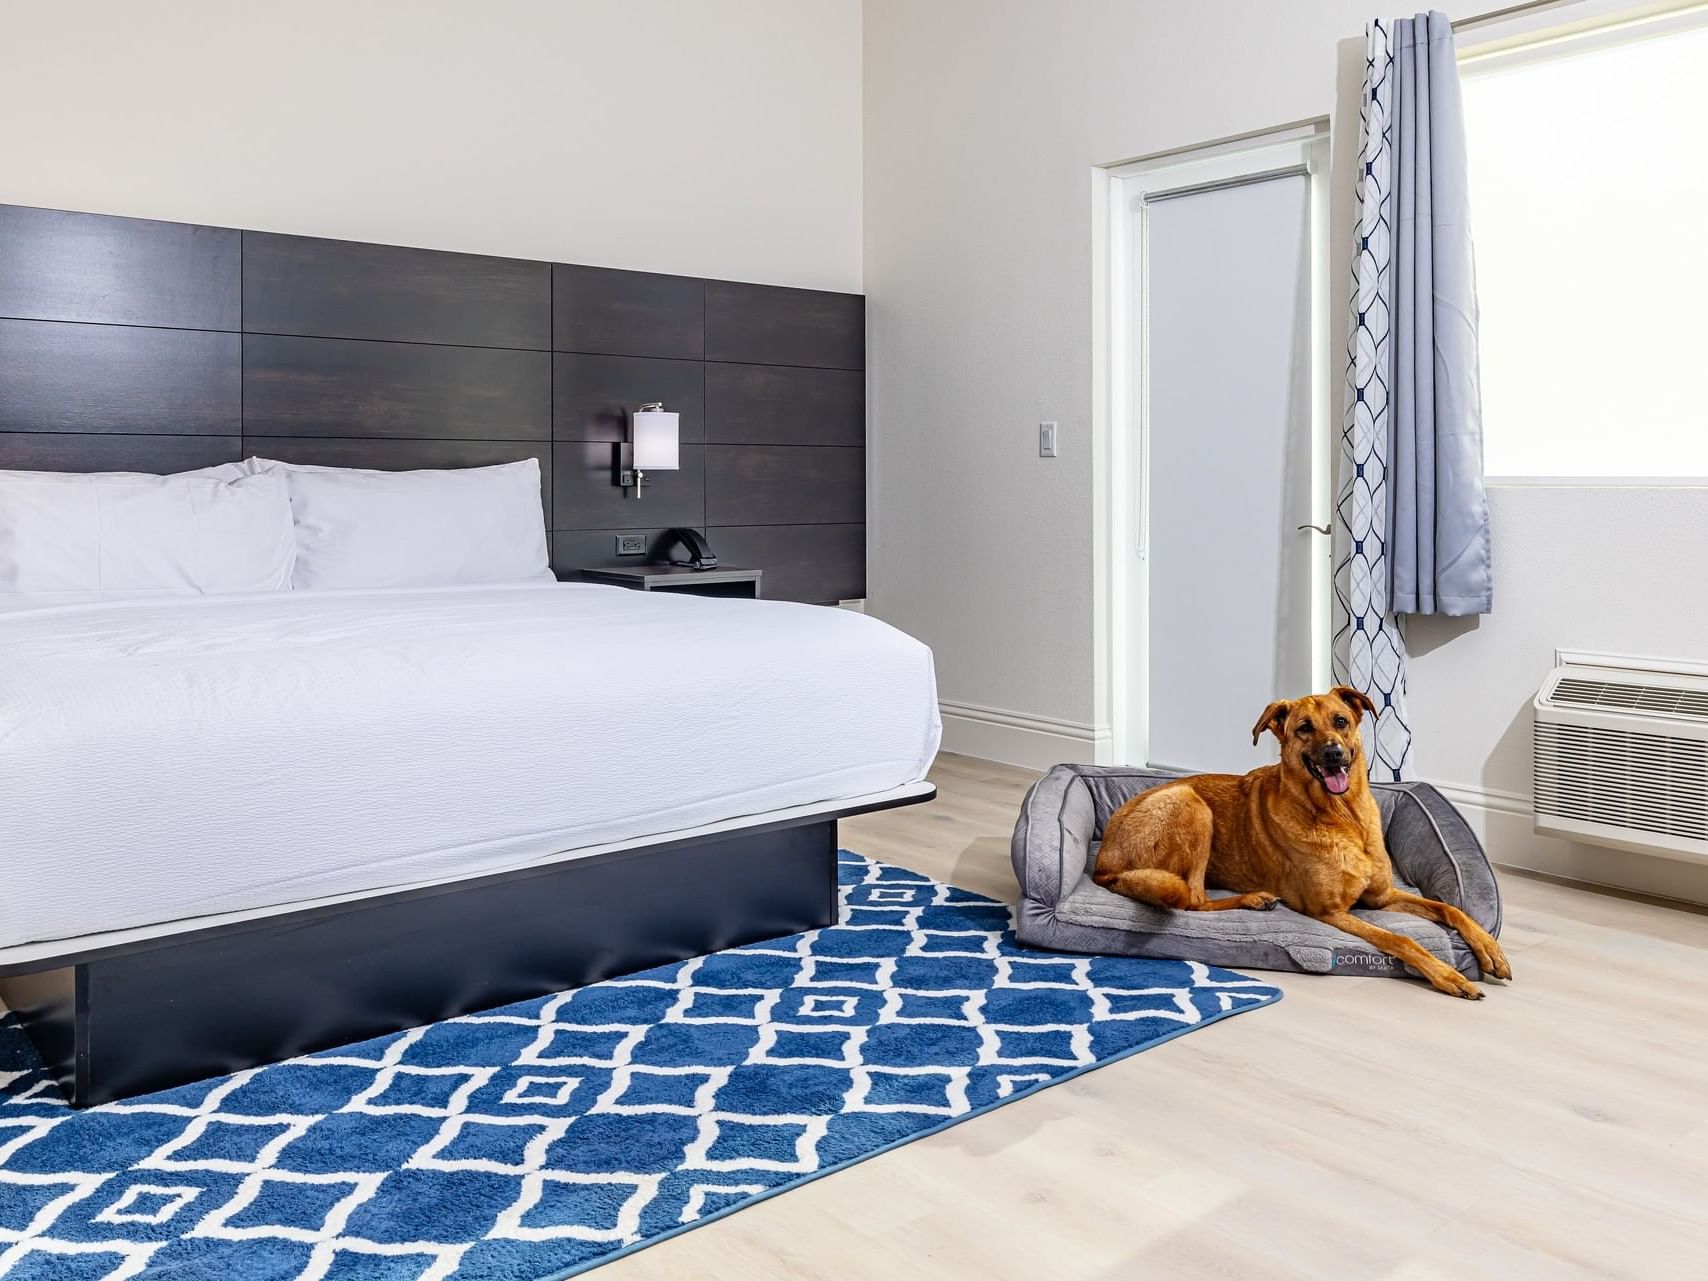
(1621, 754)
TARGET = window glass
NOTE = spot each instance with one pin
(1589, 210)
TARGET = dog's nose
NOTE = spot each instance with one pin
(1334, 755)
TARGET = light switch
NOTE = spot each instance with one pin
(1046, 440)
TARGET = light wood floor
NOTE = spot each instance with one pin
(1360, 1129)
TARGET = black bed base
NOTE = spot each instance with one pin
(167, 1011)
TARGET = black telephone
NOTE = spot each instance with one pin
(687, 547)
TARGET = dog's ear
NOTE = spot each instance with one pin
(1274, 719)
(1356, 699)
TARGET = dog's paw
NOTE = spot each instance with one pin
(1262, 901)
(1495, 965)
(1456, 984)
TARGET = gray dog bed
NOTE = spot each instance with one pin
(1055, 847)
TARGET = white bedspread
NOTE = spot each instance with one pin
(170, 758)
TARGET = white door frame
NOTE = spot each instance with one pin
(1121, 429)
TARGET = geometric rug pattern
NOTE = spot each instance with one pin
(543, 1138)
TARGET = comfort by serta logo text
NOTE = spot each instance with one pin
(1366, 961)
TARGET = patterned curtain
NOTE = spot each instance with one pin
(1369, 646)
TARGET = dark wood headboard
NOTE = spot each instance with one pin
(127, 344)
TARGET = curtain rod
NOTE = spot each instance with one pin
(1510, 11)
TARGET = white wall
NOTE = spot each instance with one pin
(1611, 569)
(984, 121)
(716, 139)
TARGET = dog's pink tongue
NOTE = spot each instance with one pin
(1337, 782)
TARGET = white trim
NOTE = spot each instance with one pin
(1325, 411)
(1505, 823)
(1630, 662)
(1236, 145)
(1019, 738)
(1596, 482)
(1109, 665)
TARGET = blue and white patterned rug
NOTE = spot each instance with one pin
(546, 1137)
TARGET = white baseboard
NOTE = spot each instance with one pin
(1017, 738)
(1504, 823)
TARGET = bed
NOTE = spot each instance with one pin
(239, 827)
(285, 809)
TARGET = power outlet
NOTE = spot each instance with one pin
(631, 544)
(1046, 440)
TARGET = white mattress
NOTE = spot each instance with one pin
(163, 759)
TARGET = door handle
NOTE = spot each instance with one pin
(1321, 529)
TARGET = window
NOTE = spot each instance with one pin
(1589, 191)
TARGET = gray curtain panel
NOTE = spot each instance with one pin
(1438, 517)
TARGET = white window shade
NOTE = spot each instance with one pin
(1588, 191)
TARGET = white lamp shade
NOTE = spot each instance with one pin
(655, 437)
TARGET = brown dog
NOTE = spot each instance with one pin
(1305, 832)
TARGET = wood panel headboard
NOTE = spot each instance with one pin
(128, 344)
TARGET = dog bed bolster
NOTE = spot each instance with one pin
(1054, 850)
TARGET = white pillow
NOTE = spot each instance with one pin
(358, 528)
(219, 471)
(75, 536)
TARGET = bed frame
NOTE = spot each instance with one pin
(130, 344)
(123, 1013)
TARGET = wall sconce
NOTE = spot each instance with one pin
(653, 438)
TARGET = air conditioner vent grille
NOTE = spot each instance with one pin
(1662, 700)
(1624, 778)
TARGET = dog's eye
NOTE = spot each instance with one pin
(1305, 727)
(1340, 722)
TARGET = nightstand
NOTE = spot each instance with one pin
(741, 584)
